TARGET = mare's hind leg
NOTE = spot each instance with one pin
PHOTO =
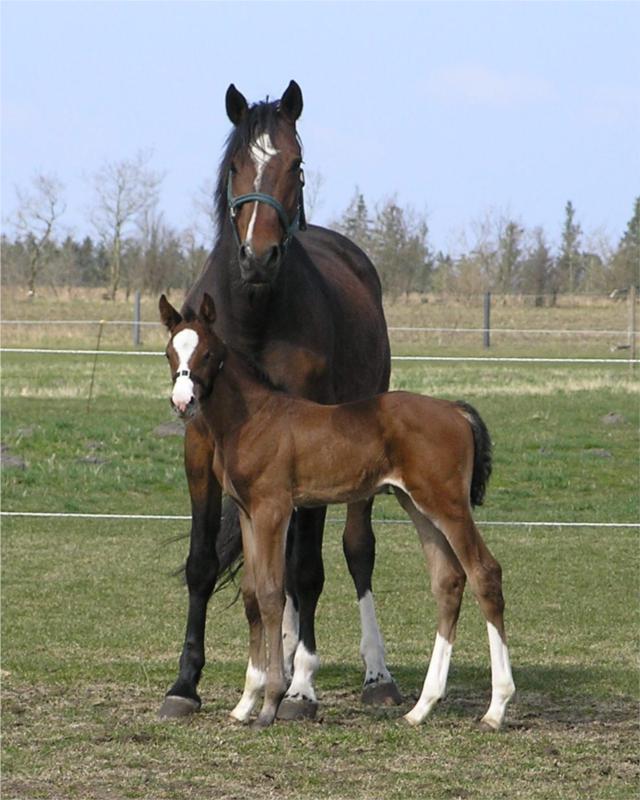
(358, 542)
(256, 674)
(182, 698)
(447, 586)
(304, 582)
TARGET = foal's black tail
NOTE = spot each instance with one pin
(481, 453)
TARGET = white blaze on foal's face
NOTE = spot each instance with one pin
(184, 343)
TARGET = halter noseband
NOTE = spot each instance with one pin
(186, 373)
(298, 223)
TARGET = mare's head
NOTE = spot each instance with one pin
(260, 181)
(195, 354)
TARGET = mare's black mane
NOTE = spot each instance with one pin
(261, 117)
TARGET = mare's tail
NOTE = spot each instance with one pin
(228, 545)
(481, 453)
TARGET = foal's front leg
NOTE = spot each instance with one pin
(267, 557)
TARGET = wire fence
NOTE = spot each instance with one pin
(333, 520)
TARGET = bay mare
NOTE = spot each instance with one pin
(275, 453)
(305, 304)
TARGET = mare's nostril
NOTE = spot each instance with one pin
(272, 258)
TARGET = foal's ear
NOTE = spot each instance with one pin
(236, 104)
(169, 316)
(207, 309)
(291, 102)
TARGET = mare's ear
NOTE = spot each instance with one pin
(291, 102)
(236, 104)
(207, 309)
(169, 316)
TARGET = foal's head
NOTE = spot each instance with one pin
(195, 354)
(260, 182)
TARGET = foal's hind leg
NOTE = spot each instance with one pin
(447, 586)
(359, 548)
(485, 578)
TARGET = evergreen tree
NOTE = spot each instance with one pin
(625, 266)
(509, 252)
(536, 269)
(569, 265)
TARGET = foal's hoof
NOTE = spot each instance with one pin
(176, 707)
(381, 694)
(290, 709)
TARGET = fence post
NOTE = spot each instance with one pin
(487, 320)
(632, 324)
(137, 339)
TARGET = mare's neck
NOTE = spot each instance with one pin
(244, 310)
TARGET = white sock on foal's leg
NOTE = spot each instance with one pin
(435, 684)
(254, 683)
(502, 686)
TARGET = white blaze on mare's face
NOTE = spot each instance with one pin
(184, 343)
(261, 152)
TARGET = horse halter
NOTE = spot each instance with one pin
(298, 223)
(186, 373)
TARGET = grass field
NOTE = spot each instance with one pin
(93, 618)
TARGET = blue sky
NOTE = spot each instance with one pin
(457, 108)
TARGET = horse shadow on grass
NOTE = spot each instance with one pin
(565, 695)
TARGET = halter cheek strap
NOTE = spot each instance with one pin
(299, 222)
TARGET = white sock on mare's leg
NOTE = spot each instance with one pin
(290, 635)
(435, 684)
(372, 644)
(305, 666)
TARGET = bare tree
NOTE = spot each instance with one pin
(124, 190)
(35, 221)
(313, 183)
(205, 224)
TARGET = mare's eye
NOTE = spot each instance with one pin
(296, 165)
(206, 356)
(233, 169)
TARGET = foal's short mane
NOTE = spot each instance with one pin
(261, 117)
(256, 371)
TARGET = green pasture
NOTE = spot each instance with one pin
(93, 616)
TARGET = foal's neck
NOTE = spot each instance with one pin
(236, 396)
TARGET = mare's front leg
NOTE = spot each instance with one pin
(182, 698)
(304, 582)
(359, 548)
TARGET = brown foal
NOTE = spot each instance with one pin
(275, 453)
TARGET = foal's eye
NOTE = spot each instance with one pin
(233, 169)
(296, 165)
(206, 356)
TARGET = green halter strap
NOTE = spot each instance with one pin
(299, 222)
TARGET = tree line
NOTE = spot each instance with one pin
(133, 247)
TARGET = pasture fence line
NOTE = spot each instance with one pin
(333, 520)
(390, 328)
(509, 359)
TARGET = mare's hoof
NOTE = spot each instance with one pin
(290, 709)
(175, 707)
(381, 694)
